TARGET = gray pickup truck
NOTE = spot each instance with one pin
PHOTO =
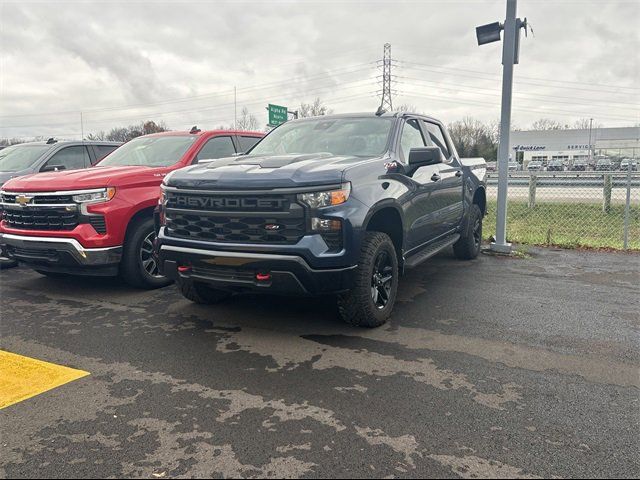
(335, 205)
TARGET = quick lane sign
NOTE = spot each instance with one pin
(277, 115)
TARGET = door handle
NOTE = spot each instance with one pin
(458, 173)
(435, 177)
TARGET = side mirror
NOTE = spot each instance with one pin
(423, 156)
(53, 168)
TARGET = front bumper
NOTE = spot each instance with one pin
(236, 271)
(63, 255)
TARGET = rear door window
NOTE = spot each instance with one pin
(217, 147)
(247, 143)
(102, 151)
(71, 158)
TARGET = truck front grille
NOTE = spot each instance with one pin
(269, 218)
(39, 199)
(236, 229)
(33, 218)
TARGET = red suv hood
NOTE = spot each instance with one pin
(94, 177)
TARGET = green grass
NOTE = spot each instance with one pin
(567, 225)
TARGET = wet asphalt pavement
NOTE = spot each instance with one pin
(491, 368)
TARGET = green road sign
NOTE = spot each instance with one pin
(277, 115)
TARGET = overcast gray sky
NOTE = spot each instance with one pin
(123, 62)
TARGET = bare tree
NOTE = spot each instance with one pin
(101, 135)
(315, 109)
(7, 142)
(584, 124)
(124, 134)
(472, 138)
(118, 134)
(246, 121)
(152, 127)
(546, 124)
(406, 107)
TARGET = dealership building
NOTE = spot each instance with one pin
(571, 145)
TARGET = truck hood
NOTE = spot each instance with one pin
(94, 177)
(265, 172)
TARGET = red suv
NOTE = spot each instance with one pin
(99, 221)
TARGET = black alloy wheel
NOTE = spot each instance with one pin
(381, 280)
(147, 260)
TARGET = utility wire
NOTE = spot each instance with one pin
(329, 73)
(260, 100)
(486, 91)
(449, 99)
(538, 79)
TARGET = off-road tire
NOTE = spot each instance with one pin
(201, 293)
(132, 270)
(469, 244)
(357, 307)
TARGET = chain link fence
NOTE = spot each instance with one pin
(570, 209)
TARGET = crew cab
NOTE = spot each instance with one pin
(99, 221)
(49, 156)
(328, 205)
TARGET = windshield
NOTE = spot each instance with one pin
(361, 137)
(150, 151)
(20, 157)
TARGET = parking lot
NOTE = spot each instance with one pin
(503, 367)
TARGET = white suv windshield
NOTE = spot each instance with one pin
(20, 157)
(361, 137)
(150, 151)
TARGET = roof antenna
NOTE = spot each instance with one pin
(195, 129)
(51, 141)
(381, 111)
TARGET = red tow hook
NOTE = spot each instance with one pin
(263, 277)
(184, 269)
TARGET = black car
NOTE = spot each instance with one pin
(624, 165)
(555, 166)
(52, 155)
(604, 165)
(579, 165)
(327, 205)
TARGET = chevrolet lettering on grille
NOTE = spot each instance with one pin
(229, 203)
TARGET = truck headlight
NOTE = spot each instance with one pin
(95, 196)
(326, 198)
(160, 211)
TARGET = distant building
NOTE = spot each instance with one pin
(571, 145)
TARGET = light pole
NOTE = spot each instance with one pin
(590, 149)
(510, 53)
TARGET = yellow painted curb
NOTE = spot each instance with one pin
(23, 377)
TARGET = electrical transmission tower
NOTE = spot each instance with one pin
(386, 103)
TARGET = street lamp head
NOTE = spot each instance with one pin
(489, 33)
